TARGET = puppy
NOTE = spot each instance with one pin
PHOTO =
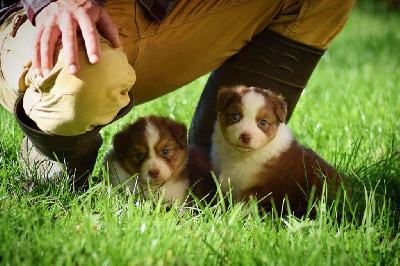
(155, 148)
(256, 155)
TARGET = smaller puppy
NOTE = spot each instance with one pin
(256, 155)
(155, 148)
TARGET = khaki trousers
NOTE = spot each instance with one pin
(193, 40)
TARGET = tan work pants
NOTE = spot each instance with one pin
(193, 40)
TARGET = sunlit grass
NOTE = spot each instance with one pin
(349, 114)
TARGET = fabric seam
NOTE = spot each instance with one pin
(302, 13)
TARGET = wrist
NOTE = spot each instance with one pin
(33, 8)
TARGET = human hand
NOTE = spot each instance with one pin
(64, 18)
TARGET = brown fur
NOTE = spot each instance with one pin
(293, 173)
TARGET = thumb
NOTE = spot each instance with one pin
(107, 28)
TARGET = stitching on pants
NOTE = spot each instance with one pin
(302, 13)
(2, 51)
(20, 19)
(33, 105)
(138, 32)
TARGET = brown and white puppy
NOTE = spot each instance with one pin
(155, 149)
(256, 155)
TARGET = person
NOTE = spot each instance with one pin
(70, 67)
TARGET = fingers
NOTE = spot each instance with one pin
(43, 49)
(36, 61)
(65, 19)
(91, 38)
(47, 46)
(70, 44)
(108, 29)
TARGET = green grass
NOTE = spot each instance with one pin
(349, 113)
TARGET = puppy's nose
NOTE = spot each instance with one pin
(154, 173)
(245, 138)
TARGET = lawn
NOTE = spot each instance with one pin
(349, 114)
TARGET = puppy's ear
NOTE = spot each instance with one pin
(224, 96)
(179, 131)
(280, 107)
(122, 141)
(119, 143)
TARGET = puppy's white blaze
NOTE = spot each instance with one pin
(153, 162)
(152, 137)
(234, 167)
(252, 103)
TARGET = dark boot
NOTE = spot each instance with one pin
(50, 156)
(269, 61)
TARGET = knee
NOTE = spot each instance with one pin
(68, 105)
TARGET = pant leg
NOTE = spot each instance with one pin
(64, 104)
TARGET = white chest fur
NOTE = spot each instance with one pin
(236, 169)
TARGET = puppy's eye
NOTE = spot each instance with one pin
(139, 156)
(262, 122)
(165, 152)
(235, 116)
